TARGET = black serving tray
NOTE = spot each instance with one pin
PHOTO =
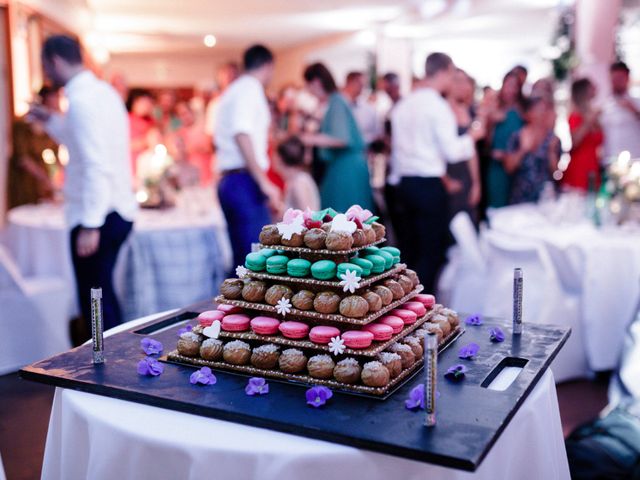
(470, 417)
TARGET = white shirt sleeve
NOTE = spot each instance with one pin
(243, 113)
(454, 148)
(87, 134)
(55, 127)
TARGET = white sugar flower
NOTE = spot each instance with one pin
(241, 271)
(287, 230)
(336, 346)
(350, 281)
(283, 307)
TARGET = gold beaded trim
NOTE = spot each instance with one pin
(399, 268)
(323, 317)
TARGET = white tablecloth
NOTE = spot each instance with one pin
(97, 437)
(173, 257)
(605, 262)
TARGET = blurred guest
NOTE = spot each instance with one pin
(364, 113)
(521, 73)
(165, 112)
(466, 194)
(508, 120)
(119, 84)
(620, 116)
(543, 87)
(192, 144)
(532, 153)
(424, 139)
(99, 201)
(301, 191)
(225, 75)
(140, 107)
(586, 137)
(242, 129)
(391, 86)
(29, 180)
(285, 110)
(346, 179)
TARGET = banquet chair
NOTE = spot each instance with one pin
(545, 301)
(33, 316)
(462, 283)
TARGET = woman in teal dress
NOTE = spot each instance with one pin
(508, 121)
(341, 147)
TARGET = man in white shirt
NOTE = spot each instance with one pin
(99, 202)
(242, 134)
(224, 77)
(620, 116)
(424, 138)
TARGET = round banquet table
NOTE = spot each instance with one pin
(604, 262)
(173, 257)
(97, 437)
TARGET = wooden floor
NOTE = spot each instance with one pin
(25, 408)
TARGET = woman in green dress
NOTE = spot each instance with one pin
(341, 147)
(508, 120)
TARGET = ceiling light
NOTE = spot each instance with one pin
(210, 40)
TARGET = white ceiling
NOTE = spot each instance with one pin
(169, 25)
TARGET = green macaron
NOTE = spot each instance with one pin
(277, 265)
(378, 263)
(255, 262)
(343, 267)
(323, 270)
(364, 264)
(369, 251)
(298, 267)
(388, 259)
(267, 252)
(393, 251)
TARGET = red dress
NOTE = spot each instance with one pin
(584, 157)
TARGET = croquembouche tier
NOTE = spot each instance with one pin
(322, 303)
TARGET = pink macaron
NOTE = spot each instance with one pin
(396, 323)
(294, 329)
(407, 316)
(416, 307)
(236, 322)
(323, 334)
(265, 325)
(207, 318)
(381, 332)
(357, 338)
(426, 299)
(229, 309)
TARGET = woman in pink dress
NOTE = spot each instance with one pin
(193, 145)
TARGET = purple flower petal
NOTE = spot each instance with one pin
(151, 346)
(416, 398)
(496, 334)
(150, 366)
(469, 351)
(185, 329)
(474, 320)
(257, 386)
(455, 373)
(204, 376)
(318, 396)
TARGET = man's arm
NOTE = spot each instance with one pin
(455, 148)
(245, 145)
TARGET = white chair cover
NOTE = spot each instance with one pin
(33, 317)
(463, 280)
(544, 299)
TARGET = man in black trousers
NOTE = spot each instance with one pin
(424, 138)
(98, 193)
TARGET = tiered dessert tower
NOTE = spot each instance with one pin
(321, 269)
